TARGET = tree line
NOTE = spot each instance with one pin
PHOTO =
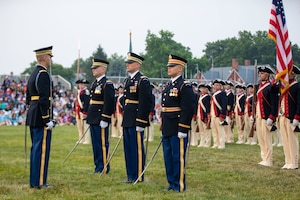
(246, 46)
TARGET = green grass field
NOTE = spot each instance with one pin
(232, 173)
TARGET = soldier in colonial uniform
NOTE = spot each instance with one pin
(266, 113)
(39, 118)
(178, 106)
(239, 111)
(114, 130)
(81, 108)
(119, 112)
(229, 137)
(203, 116)
(102, 102)
(248, 114)
(289, 121)
(218, 114)
(194, 125)
(137, 105)
(150, 128)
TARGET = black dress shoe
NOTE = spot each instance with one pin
(46, 186)
(35, 186)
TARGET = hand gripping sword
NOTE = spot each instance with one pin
(77, 143)
(151, 160)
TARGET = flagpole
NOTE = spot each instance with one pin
(130, 44)
(78, 61)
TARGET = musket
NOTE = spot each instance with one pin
(251, 133)
(151, 160)
(77, 143)
(243, 122)
(208, 123)
(111, 156)
(232, 122)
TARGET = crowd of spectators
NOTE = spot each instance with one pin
(13, 103)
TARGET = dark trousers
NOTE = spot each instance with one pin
(100, 146)
(39, 155)
(174, 150)
(134, 153)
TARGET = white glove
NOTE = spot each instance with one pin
(269, 122)
(139, 129)
(50, 125)
(295, 122)
(251, 119)
(181, 135)
(103, 124)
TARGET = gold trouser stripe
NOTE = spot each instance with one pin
(96, 102)
(181, 154)
(35, 98)
(131, 101)
(184, 126)
(103, 149)
(140, 158)
(43, 157)
(170, 109)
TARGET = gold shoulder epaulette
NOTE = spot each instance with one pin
(42, 70)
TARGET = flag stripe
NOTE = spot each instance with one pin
(279, 33)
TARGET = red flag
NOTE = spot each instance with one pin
(279, 33)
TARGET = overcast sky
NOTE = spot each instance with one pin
(26, 25)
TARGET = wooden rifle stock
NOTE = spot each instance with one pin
(232, 123)
(251, 133)
(208, 123)
(243, 122)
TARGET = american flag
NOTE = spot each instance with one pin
(279, 33)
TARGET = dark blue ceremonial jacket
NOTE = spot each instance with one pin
(293, 107)
(230, 103)
(206, 103)
(38, 97)
(269, 99)
(137, 89)
(178, 94)
(102, 90)
(223, 102)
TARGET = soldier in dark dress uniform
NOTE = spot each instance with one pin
(178, 106)
(102, 102)
(39, 118)
(137, 104)
(289, 121)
